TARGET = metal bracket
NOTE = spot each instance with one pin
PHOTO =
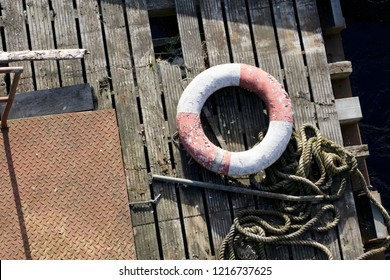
(150, 201)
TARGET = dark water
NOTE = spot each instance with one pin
(366, 43)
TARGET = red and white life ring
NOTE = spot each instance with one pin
(234, 163)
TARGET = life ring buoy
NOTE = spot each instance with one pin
(225, 162)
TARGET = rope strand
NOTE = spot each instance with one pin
(311, 165)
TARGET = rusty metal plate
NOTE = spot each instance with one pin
(63, 190)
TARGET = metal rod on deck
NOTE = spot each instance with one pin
(233, 189)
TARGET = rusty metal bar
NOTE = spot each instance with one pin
(11, 95)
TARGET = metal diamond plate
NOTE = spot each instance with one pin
(63, 190)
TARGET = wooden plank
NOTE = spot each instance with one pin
(220, 217)
(92, 40)
(334, 48)
(296, 79)
(268, 59)
(251, 118)
(132, 136)
(168, 216)
(190, 37)
(293, 64)
(52, 101)
(372, 225)
(340, 70)
(192, 205)
(338, 19)
(16, 38)
(332, 21)
(239, 33)
(348, 110)
(318, 70)
(143, 221)
(358, 151)
(337, 13)
(227, 114)
(66, 38)
(264, 38)
(350, 237)
(242, 126)
(298, 88)
(130, 129)
(218, 53)
(242, 50)
(351, 134)
(194, 55)
(39, 22)
(119, 57)
(216, 43)
(380, 224)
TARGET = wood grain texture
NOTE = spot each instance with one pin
(340, 70)
(281, 36)
(130, 129)
(155, 128)
(190, 37)
(66, 38)
(297, 87)
(227, 115)
(350, 237)
(358, 151)
(92, 40)
(191, 199)
(193, 54)
(293, 63)
(15, 32)
(39, 22)
(348, 110)
(268, 58)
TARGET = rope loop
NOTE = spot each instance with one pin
(310, 165)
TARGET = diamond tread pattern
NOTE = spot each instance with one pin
(63, 190)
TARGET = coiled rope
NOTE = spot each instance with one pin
(311, 165)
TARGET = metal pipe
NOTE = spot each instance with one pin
(279, 196)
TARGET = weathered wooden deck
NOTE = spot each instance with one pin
(129, 69)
